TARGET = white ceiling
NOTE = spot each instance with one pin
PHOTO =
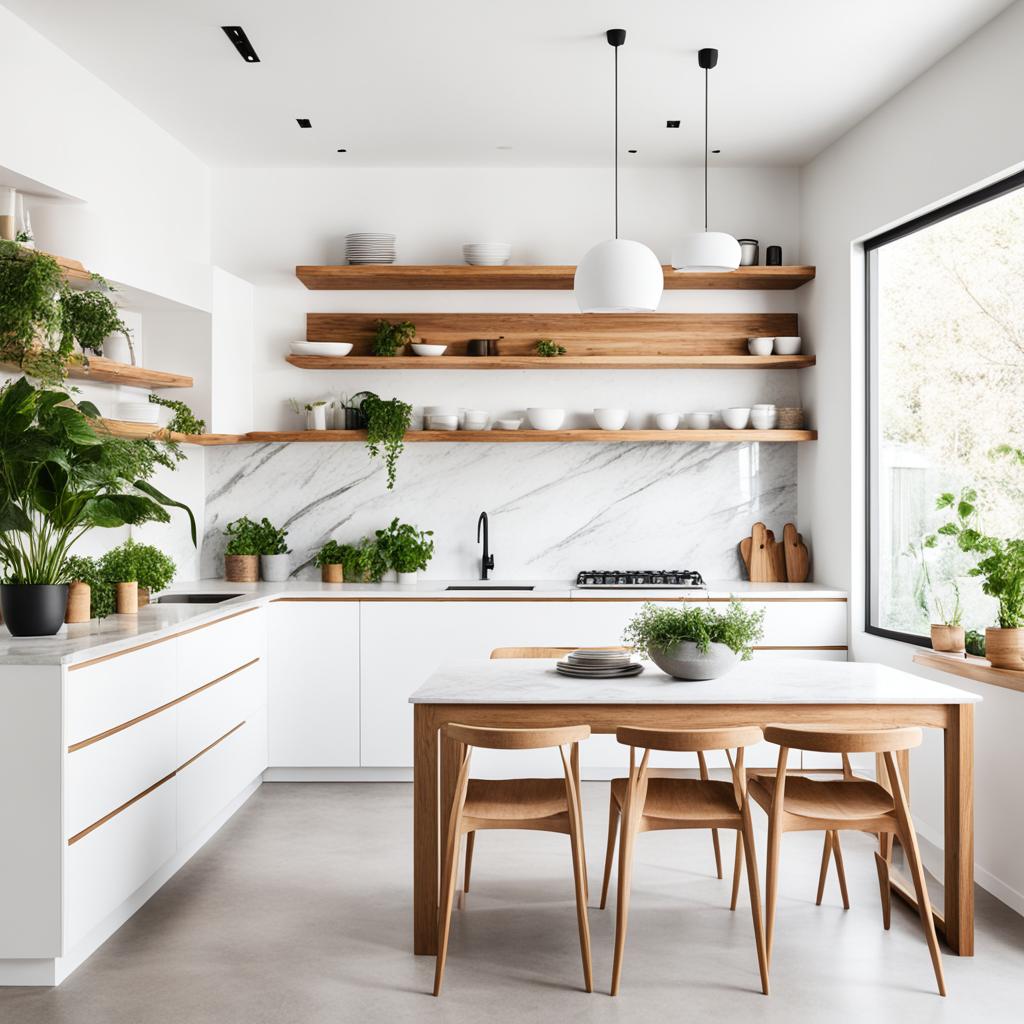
(447, 82)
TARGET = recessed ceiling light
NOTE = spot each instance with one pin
(632, 151)
(716, 151)
(342, 150)
(304, 122)
(237, 35)
(671, 124)
(502, 147)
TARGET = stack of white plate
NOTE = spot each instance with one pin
(486, 254)
(138, 412)
(599, 663)
(370, 247)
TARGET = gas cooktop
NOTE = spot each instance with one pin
(675, 579)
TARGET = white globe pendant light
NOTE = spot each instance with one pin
(706, 252)
(618, 276)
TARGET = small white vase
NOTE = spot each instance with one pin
(274, 568)
(407, 578)
(316, 418)
(116, 348)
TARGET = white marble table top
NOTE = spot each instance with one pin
(792, 681)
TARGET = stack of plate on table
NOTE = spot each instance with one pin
(486, 254)
(599, 663)
(370, 247)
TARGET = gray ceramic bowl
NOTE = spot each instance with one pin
(687, 662)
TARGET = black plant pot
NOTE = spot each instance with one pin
(33, 609)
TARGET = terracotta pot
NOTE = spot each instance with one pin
(79, 602)
(128, 598)
(947, 638)
(143, 596)
(1004, 648)
(332, 573)
(241, 568)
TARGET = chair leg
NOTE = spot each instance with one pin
(737, 870)
(823, 874)
(884, 890)
(470, 841)
(627, 838)
(613, 822)
(837, 852)
(718, 852)
(444, 911)
(579, 874)
(755, 896)
(574, 761)
(771, 884)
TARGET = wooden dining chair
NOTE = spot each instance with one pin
(798, 803)
(651, 802)
(546, 805)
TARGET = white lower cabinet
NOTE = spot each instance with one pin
(313, 655)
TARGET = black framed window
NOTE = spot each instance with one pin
(944, 326)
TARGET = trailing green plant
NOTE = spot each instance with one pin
(89, 316)
(388, 338)
(547, 347)
(662, 628)
(60, 477)
(102, 594)
(184, 420)
(405, 547)
(386, 424)
(331, 553)
(244, 537)
(1000, 560)
(145, 564)
(271, 540)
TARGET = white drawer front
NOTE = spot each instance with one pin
(206, 716)
(213, 780)
(119, 689)
(107, 773)
(105, 867)
(213, 650)
(803, 623)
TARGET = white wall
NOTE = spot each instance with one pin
(952, 129)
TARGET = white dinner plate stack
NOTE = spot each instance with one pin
(487, 254)
(370, 247)
(599, 663)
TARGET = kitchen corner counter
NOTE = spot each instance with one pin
(86, 641)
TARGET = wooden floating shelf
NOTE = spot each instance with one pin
(149, 431)
(604, 362)
(969, 667)
(106, 370)
(399, 277)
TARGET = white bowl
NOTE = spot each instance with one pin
(507, 424)
(787, 346)
(545, 419)
(763, 405)
(138, 412)
(764, 419)
(698, 420)
(666, 420)
(428, 350)
(611, 419)
(736, 418)
(760, 346)
(442, 422)
(440, 410)
(320, 348)
(475, 419)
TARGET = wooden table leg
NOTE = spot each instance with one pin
(959, 829)
(425, 832)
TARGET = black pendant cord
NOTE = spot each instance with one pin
(705, 150)
(616, 142)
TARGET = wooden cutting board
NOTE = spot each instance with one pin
(764, 558)
(797, 557)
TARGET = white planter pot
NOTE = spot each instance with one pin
(407, 578)
(687, 662)
(274, 568)
(316, 418)
(116, 347)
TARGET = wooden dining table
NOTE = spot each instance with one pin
(530, 693)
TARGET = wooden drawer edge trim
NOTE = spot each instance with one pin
(149, 789)
(562, 600)
(158, 640)
(156, 711)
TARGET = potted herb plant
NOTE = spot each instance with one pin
(242, 554)
(386, 424)
(59, 478)
(330, 560)
(146, 565)
(691, 642)
(273, 552)
(183, 420)
(407, 549)
(90, 595)
(388, 338)
(92, 320)
(364, 562)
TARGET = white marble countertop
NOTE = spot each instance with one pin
(791, 681)
(86, 640)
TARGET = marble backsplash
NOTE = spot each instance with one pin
(554, 508)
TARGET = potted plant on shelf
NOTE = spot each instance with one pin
(948, 633)
(388, 338)
(549, 348)
(386, 424)
(407, 549)
(330, 560)
(273, 552)
(315, 412)
(691, 642)
(90, 596)
(242, 554)
(92, 320)
(147, 566)
(183, 420)
(59, 478)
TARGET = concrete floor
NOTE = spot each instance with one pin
(298, 911)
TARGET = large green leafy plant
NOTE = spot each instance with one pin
(89, 316)
(61, 476)
(662, 628)
(271, 539)
(405, 547)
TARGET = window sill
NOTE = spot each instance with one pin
(969, 667)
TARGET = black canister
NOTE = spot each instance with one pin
(773, 256)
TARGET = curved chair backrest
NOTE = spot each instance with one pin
(544, 652)
(843, 741)
(690, 739)
(516, 739)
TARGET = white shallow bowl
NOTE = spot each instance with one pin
(545, 419)
(611, 419)
(789, 346)
(760, 346)
(666, 420)
(736, 418)
(507, 424)
(698, 420)
(320, 348)
(138, 412)
(428, 350)
(442, 422)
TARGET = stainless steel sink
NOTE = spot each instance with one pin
(193, 598)
(490, 586)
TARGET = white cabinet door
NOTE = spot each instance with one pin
(313, 655)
